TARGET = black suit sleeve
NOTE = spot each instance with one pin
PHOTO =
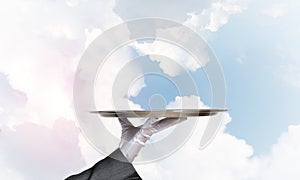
(109, 168)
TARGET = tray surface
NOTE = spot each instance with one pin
(159, 113)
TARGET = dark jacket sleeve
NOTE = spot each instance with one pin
(109, 168)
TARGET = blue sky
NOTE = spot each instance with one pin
(262, 103)
(252, 49)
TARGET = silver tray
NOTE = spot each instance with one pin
(159, 113)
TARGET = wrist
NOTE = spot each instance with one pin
(142, 136)
(130, 149)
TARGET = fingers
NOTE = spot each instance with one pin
(150, 122)
(124, 122)
(168, 122)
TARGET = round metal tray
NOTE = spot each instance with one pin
(159, 113)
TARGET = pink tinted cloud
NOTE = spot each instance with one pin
(39, 152)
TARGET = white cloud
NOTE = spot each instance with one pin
(186, 102)
(107, 96)
(177, 10)
(136, 87)
(276, 10)
(41, 43)
(216, 15)
(209, 15)
(32, 151)
(90, 155)
(227, 157)
(284, 160)
(91, 35)
(41, 46)
(172, 59)
(209, 18)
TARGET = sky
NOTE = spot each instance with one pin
(255, 42)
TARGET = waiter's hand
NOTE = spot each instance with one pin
(134, 138)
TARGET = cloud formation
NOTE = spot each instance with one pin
(41, 43)
(216, 15)
(38, 152)
(172, 59)
(227, 157)
(40, 48)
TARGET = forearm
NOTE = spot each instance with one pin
(115, 166)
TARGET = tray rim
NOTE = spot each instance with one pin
(158, 113)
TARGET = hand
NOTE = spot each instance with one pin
(134, 138)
